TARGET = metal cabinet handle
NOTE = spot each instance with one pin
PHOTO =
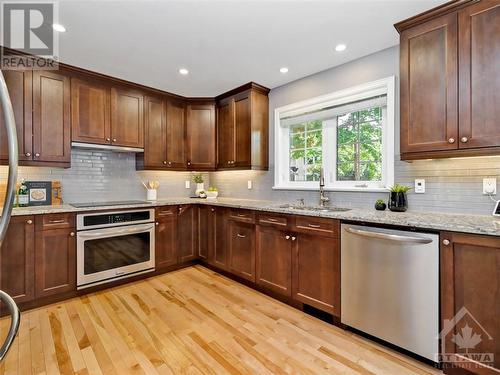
(169, 163)
(212, 209)
(28, 154)
(294, 238)
(114, 139)
(14, 323)
(37, 154)
(464, 139)
(314, 225)
(164, 162)
(108, 139)
(72, 234)
(57, 221)
(446, 242)
(241, 235)
(29, 221)
(157, 223)
(272, 219)
(287, 237)
(451, 140)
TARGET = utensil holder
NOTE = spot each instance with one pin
(151, 194)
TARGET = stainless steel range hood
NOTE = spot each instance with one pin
(91, 146)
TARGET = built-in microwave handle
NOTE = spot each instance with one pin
(115, 231)
(390, 237)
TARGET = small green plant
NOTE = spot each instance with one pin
(212, 188)
(400, 188)
(198, 178)
(379, 201)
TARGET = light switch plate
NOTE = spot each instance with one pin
(490, 185)
(188, 184)
(419, 186)
(249, 184)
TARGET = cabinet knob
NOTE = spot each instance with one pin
(29, 221)
(213, 209)
(294, 238)
(189, 163)
(464, 139)
(446, 242)
(114, 139)
(164, 162)
(72, 234)
(28, 154)
(37, 154)
(451, 140)
(108, 139)
(287, 237)
(229, 162)
(157, 223)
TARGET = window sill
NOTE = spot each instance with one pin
(346, 189)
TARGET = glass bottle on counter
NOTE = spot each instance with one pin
(22, 195)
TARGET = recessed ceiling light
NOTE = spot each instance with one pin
(340, 47)
(183, 71)
(284, 70)
(58, 27)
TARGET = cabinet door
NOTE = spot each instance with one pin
(19, 83)
(274, 260)
(220, 257)
(187, 231)
(429, 86)
(479, 77)
(242, 126)
(90, 112)
(155, 142)
(17, 260)
(316, 276)
(51, 117)
(176, 134)
(55, 262)
(166, 237)
(225, 133)
(127, 122)
(206, 232)
(470, 291)
(242, 249)
(201, 136)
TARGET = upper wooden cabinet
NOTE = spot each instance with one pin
(242, 128)
(90, 112)
(127, 122)
(201, 136)
(176, 134)
(51, 117)
(449, 81)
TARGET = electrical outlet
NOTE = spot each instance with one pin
(249, 184)
(188, 184)
(490, 185)
(419, 186)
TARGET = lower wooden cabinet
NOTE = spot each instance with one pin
(166, 237)
(316, 272)
(242, 249)
(206, 232)
(187, 233)
(274, 260)
(55, 262)
(17, 262)
(470, 292)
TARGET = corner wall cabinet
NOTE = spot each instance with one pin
(449, 69)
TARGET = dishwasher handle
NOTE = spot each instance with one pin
(390, 237)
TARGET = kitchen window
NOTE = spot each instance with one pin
(349, 133)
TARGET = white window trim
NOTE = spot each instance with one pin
(385, 86)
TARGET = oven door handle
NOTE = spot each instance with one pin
(115, 232)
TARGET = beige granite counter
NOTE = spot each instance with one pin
(476, 224)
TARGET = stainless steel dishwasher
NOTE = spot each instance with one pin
(390, 286)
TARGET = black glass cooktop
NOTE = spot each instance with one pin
(101, 204)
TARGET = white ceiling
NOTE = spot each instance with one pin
(225, 43)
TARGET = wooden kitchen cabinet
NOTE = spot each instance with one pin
(242, 128)
(55, 261)
(201, 137)
(242, 249)
(316, 271)
(51, 117)
(176, 135)
(20, 85)
(155, 125)
(274, 259)
(220, 255)
(90, 112)
(206, 232)
(187, 233)
(127, 122)
(17, 259)
(166, 237)
(470, 279)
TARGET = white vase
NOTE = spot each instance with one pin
(199, 188)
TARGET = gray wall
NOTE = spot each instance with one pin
(453, 185)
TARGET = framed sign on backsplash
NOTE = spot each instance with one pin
(39, 193)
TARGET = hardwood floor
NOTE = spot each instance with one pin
(190, 321)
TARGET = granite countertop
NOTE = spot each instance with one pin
(475, 224)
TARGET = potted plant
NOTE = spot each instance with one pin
(212, 193)
(198, 179)
(380, 205)
(398, 201)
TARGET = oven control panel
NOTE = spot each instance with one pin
(111, 219)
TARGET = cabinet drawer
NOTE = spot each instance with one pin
(55, 221)
(246, 216)
(166, 211)
(273, 220)
(317, 225)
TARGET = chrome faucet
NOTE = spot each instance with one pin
(323, 199)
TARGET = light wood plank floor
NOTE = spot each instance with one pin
(190, 321)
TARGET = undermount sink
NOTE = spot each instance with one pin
(299, 207)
